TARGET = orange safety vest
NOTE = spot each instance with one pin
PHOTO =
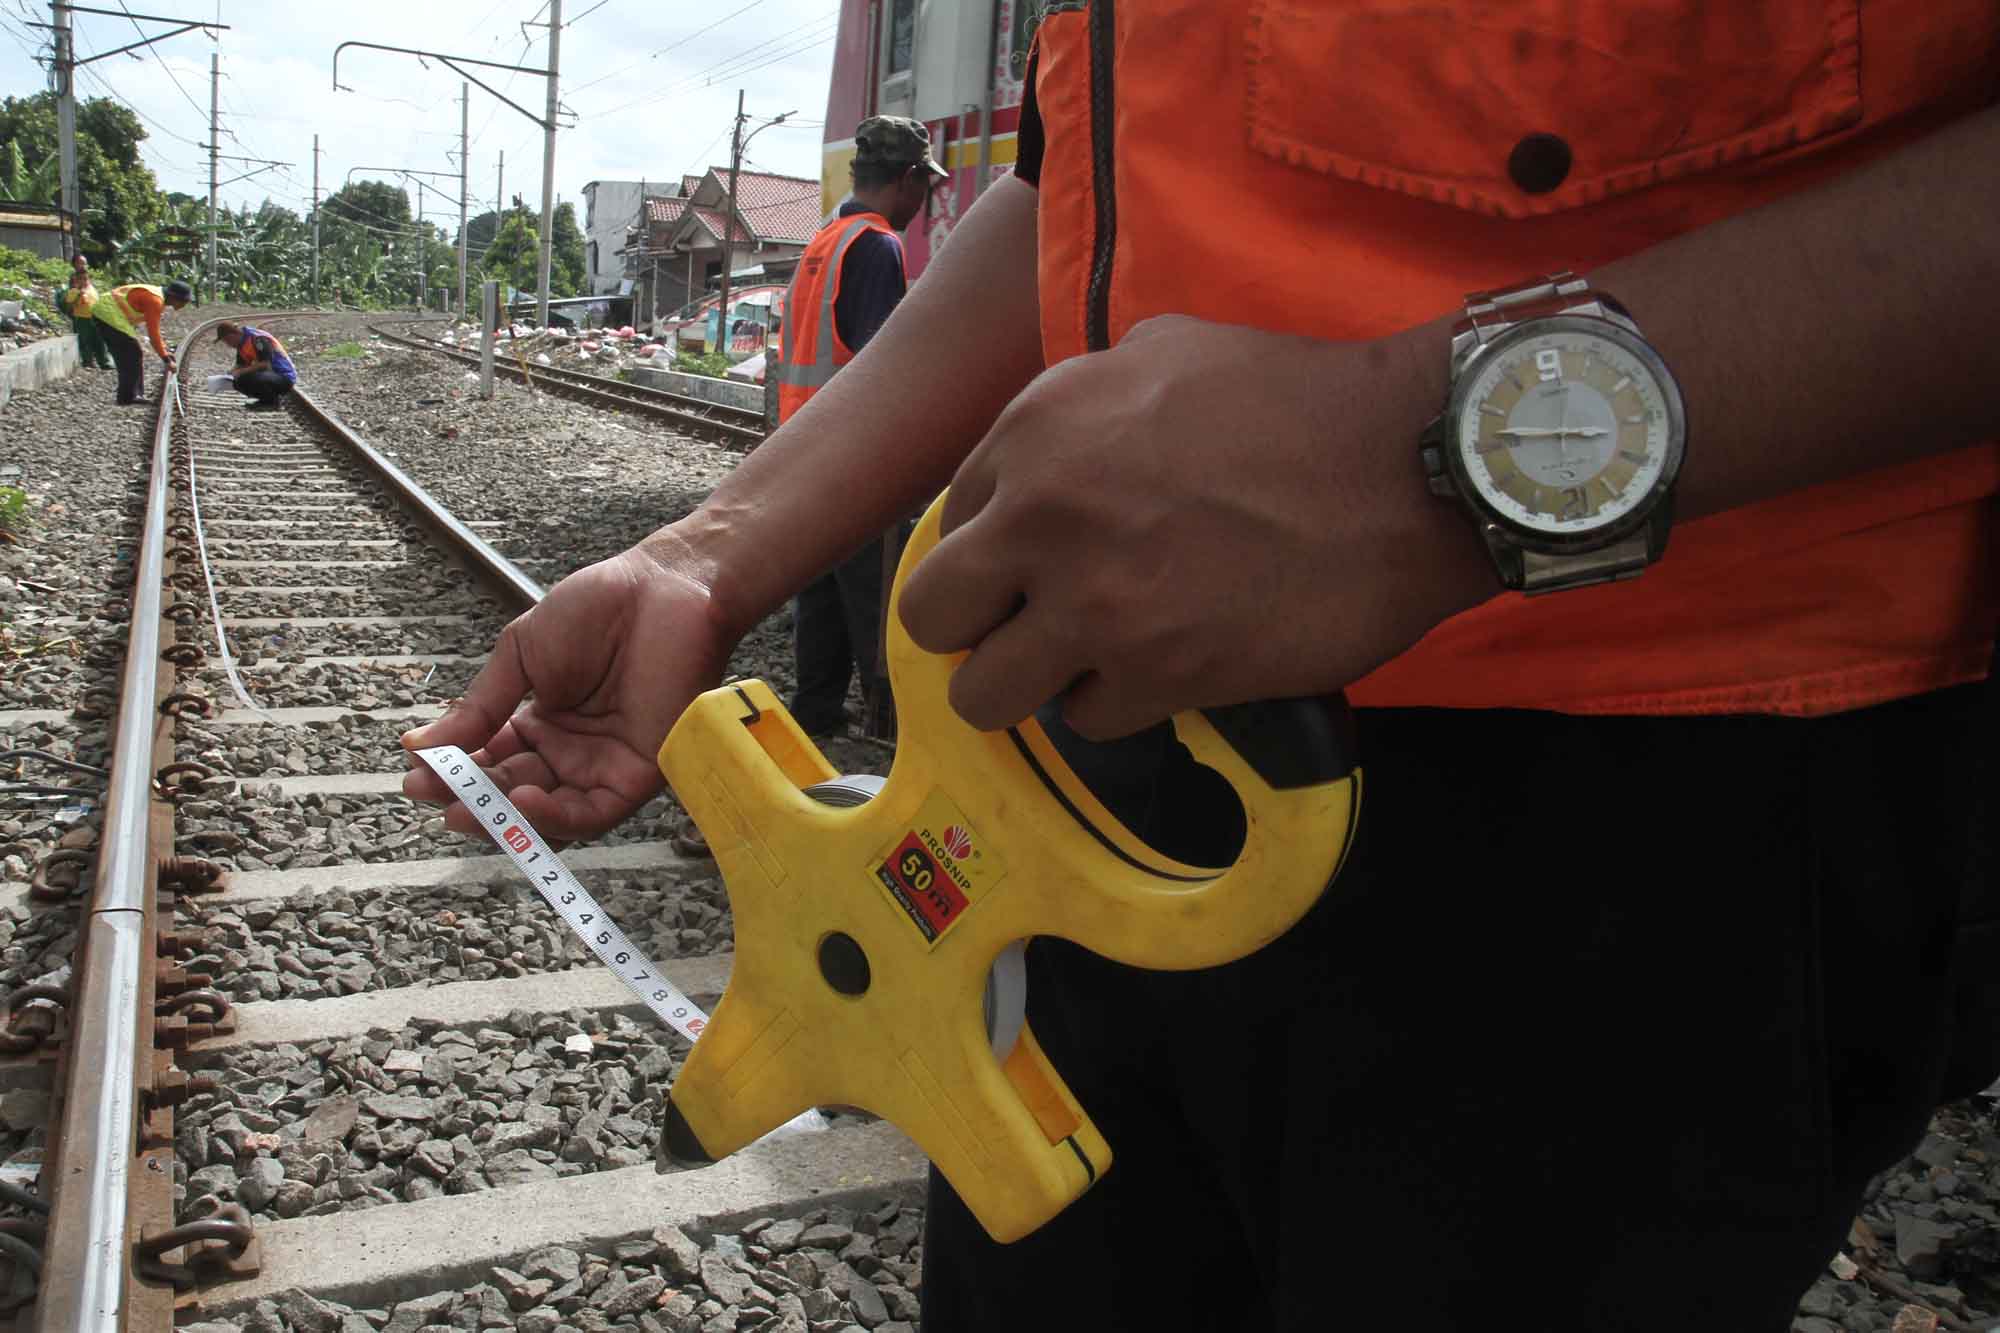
(813, 349)
(1362, 165)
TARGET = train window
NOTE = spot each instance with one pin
(902, 37)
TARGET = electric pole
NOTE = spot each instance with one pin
(423, 253)
(214, 146)
(738, 142)
(500, 192)
(464, 167)
(66, 119)
(66, 65)
(549, 164)
(315, 219)
(729, 227)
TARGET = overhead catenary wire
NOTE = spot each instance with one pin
(816, 33)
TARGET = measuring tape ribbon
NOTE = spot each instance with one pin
(560, 888)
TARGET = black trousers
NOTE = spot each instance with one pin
(836, 628)
(131, 361)
(1605, 1025)
(266, 385)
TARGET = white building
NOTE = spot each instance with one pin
(610, 209)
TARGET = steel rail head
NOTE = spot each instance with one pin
(522, 591)
(89, 1227)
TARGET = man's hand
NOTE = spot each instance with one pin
(1204, 514)
(612, 655)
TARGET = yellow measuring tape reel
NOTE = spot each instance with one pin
(865, 935)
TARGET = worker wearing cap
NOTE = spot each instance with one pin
(119, 315)
(849, 279)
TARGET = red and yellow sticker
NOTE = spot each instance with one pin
(939, 868)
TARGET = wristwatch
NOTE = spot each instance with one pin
(1562, 435)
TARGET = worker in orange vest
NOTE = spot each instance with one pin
(849, 279)
(120, 313)
(1603, 396)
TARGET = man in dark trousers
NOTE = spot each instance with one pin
(849, 279)
(262, 368)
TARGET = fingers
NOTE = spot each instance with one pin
(1099, 711)
(487, 704)
(1013, 671)
(958, 593)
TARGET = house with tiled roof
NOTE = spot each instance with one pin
(676, 253)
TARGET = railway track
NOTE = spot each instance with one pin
(733, 427)
(312, 1050)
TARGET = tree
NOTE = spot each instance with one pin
(566, 265)
(365, 205)
(118, 192)
(515, 255)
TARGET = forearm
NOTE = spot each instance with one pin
(153, 332)
(1843, 329)
(886, 433)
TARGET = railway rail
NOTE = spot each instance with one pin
(733, 427)
(181, 1178)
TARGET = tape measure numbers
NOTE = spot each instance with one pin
(560, 888)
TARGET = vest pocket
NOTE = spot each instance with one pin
(1523, 107)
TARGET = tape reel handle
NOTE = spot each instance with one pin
(1292, 763)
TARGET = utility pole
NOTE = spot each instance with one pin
(423, 253)
(66, 65)
(66, 118)
(458, 65)
(500, 192)
(464, 167)
(315, 219)
(214, 146)
(549, 164)
(738, 142)
(729, 227)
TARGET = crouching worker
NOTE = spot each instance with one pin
(262, 369)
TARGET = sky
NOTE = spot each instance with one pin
(652, 82)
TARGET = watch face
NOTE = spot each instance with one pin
(1567, 429)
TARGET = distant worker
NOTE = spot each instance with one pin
(262, 370)
(78, 300)
(119, 314)
(849, 279)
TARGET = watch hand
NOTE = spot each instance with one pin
(1552, 430)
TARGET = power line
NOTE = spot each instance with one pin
(154, 50)
(823, 30)
(654, 55)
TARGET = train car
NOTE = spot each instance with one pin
(955, 65)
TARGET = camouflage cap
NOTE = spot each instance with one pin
(895, 141)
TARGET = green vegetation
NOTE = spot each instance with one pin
(713, 364)
(22, 273)
(347, 350)
(373, 252)
(13, 509)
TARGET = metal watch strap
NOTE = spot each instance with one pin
(1487, 316)
(1490, 314)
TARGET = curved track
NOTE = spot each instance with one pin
(733, 427)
